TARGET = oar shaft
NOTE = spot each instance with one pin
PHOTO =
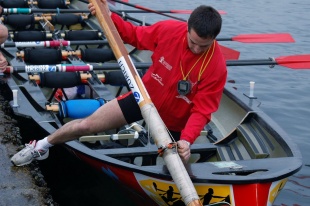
(261, 38)
(30, 11)
(69, 67)
(52, 68)
(289, 61)
(58, 43)
(55, 43)
(223, 39)
(115, 66)
(251, 62)
(160, 11)
(130, 17)
(149, 10)
(36, 2)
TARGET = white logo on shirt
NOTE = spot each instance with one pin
(157, 78)
(184, 98)
(164, 63)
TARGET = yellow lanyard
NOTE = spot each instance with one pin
(202, 70)
(204, 67)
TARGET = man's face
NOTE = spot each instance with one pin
(197, 44)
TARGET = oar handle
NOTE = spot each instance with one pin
(32, 2)
(36, 3)
(69, 53)
(64, 53)
(52, 107)
(36, 77)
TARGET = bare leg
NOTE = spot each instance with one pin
(108, 116)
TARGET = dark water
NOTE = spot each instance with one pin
(284, 93)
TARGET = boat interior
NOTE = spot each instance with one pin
(236, 132)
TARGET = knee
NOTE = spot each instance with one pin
(3, 33)
(84, 127)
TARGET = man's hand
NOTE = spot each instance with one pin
(184, 150)
(93, 11)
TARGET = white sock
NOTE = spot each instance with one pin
(43, 144)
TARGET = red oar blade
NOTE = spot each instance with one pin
(264, 38)
(230, 54)
(112, 2)
(181, 11)
(222, 12)
(294, 62)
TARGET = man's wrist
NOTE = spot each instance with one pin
(187, 142)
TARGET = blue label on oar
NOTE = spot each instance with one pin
(40, 68)
(131, 81)
(137, 96)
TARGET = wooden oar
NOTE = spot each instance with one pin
(292, 62)
(148, 110)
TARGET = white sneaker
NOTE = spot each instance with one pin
(28, 154)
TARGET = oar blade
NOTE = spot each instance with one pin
(264, 38)
(295, 61)
(181, 11)
(229, 54)
(222, 12)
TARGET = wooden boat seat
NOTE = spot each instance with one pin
(225, 153)
(252, 140)
(245, 142)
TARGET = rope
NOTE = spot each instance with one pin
(163, 148)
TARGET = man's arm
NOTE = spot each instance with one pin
(3, 38)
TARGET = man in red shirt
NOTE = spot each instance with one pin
(185, 82)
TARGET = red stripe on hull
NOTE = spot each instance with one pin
(251, 194)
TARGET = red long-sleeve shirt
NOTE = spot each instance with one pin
(168, 42)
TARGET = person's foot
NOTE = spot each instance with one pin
(28, 154)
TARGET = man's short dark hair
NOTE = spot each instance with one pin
(206, 21)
